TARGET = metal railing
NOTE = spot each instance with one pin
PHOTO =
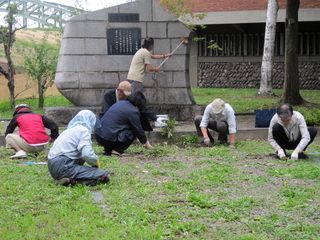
(46, 14)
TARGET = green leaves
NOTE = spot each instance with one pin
(40, 63)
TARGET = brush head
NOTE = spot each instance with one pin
(185, 40)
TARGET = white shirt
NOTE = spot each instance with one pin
(226, 115)
(296, 128)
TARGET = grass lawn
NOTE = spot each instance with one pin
(50, 101)
(242, 100)
(169, 192)
(246, 100)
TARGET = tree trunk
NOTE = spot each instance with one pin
(10, 78)
(268, 49)
(11, 91)
(41, 95)
(291, 93)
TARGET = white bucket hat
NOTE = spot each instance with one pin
(217, 105)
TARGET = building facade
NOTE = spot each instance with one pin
(238, 28)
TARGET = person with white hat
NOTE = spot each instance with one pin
(220, 117)
(32, 135)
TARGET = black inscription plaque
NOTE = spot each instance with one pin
(123, 17)
(123, 41)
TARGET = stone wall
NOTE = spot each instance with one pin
(86, 70)
(247, 74)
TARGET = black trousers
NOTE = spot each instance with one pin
(282, 139)
(219, 126)
(108, 146)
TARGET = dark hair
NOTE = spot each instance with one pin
(148, 43)
(138, 100)
(285, 110)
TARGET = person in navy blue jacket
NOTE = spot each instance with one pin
(121, 125)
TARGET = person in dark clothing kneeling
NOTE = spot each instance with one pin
(121, 125)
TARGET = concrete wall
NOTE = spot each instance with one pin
(85, 70)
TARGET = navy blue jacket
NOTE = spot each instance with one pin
(121, 123)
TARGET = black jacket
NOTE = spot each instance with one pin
(108, 100)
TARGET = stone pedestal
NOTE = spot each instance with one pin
(86, 69)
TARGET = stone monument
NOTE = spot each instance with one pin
(97, 49)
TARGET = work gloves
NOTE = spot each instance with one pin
(281, 154)
(295, 155)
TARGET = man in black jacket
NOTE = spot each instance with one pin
(121, 124)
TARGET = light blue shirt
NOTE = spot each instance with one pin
(226, 115)
(75, 142)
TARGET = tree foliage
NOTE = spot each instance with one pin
(40, 64)
(7, 38)
(182, 9)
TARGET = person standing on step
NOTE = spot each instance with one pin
(141, 63)
(288, 131)
(220, 117)
(72, 149)
(32, 135)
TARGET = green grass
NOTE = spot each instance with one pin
(246, 100)
(50, 101)
(167, 193)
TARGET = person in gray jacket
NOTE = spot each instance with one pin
(218, 116)
(288, 130)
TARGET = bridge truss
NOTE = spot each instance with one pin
(46, 14)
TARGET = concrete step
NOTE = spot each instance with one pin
(246, 132)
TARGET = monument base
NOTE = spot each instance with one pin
(62, 115)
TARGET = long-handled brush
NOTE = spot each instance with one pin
(183, 41)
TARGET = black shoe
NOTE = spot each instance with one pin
(104, 179)
(302, 155)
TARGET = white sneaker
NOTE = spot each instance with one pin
(20, 154)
